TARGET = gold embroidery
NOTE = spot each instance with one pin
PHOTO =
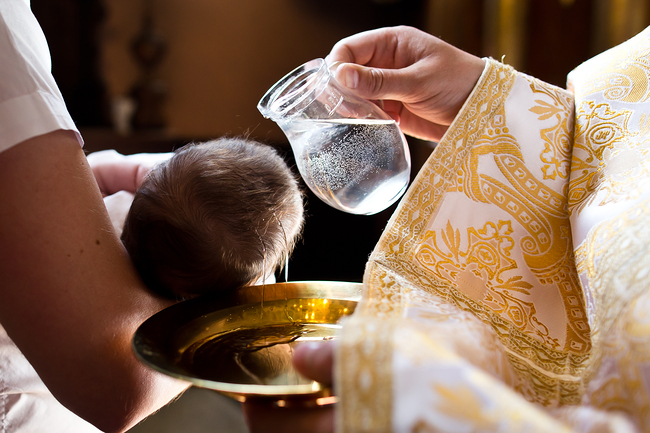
(644, 125)
(599, 130)
(616, 264)
(510, 265)
(610, 166)
(616, 250)
(558, 140)
(543, 213)
(363, 368)
(623, 75)
(482, 267)
(605, 163)
(493, 286)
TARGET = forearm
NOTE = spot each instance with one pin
(71, 298)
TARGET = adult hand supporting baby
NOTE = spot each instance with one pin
(422, 81)
(313, 360)
(119, 177)
(115, 172)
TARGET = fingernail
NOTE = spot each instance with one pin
(334, 65)
(350, 78)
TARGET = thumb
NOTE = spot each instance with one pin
(372, 83)
(314, 360)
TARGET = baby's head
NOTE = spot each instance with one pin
(216, 216)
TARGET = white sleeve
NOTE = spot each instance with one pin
(30, 101)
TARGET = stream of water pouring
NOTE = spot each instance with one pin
(286, 267)
(263, 273)
(286, 281)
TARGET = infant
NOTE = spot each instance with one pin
(211, 216)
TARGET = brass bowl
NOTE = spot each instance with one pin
(242, 345)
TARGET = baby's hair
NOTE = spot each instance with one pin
(216, 216)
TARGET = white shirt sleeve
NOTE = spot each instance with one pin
(30, 101)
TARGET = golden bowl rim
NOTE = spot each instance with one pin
(148, 341)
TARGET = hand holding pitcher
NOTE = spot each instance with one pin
(350, 153)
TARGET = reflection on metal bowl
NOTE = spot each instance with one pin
(242, 345)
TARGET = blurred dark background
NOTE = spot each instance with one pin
(152, 75)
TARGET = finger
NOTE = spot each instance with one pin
(418, 127)
(359, 48)
(389, 47)
(375, 83)
(268, 418)
(413, 125)
(314, 360)
(393, 109)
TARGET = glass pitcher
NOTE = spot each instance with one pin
(350, 153)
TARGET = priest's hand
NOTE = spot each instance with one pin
(421, 80)
(313, 360)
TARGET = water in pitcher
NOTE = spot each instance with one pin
(359, 166)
